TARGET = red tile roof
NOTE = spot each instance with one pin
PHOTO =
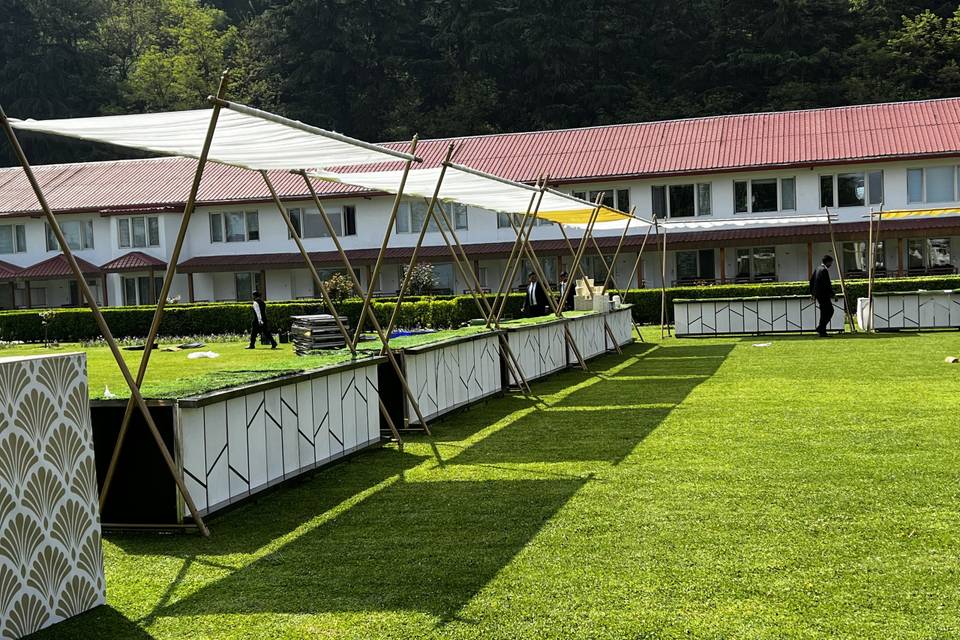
(55, 268)
(928, 128)
(133, 261)
(8, 271)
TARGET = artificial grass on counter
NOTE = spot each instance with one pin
(699, 488)
(173, 375)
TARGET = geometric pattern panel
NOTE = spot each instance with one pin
(589, 335)
(621, 325)
(912, 310)
(51, 559)
(451, 376)
(233, 448)
(539, 349)
(726, 316)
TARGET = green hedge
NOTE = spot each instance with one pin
(70, 325)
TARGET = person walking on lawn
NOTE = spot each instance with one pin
(260, 327)
(821, 288)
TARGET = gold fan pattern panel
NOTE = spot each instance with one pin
(51, 558)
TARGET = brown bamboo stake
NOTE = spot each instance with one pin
(375, 273)
(510, 274)
(633, 273)
(171, 271)
(843, 283)
(384, 337)
(476, 292)
(416, 249)
(101, 322)
(328, 301)
(508, 270)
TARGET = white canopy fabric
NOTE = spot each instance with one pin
(724, 224)
(473, 188)
(244, 138)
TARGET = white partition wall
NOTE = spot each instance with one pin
(588, 333)
(453, 373)
(912, 310)
(51, 561)
(721, 316)
(621, 325)
(234, 443)
(541, 349)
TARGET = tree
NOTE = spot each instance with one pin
(422, 279)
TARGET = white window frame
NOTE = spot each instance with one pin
(86, 235)
(405, 218)
(129, 221)
(18, 238)
(337, 217)
(591, 196)
(924, 183)
(697, 213)
(222, 225)
(779, 182)
(866, 189)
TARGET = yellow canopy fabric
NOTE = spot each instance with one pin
(918, 213)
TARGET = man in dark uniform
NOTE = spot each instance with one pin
(535, 303)
(822, 291)
(260, 326)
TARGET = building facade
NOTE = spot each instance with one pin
(122, 218)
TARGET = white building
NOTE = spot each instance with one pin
(122, 217)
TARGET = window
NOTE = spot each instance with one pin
(123, 232)
(13, 238)
(855, 257)
(757, 263)
(928, 253)
(153, 231)
(444, 277)
(503, 221)
(138, 232)
(695, 265)
(933, 184)
(851, 189)
(411, 215)
(764, 195)
(682, 200)
(78, 233)
(234, 226)
(247, 283)
(136, 290)
(618, 199)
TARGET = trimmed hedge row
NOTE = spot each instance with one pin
(71, 325)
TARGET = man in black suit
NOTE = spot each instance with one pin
(566, 293)
(535, 303)
(260, 326)
(822, 291)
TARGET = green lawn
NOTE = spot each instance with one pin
(687, 489)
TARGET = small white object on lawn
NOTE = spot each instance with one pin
(202, 354)
(763, 344)
(952, 360)
(107, 393)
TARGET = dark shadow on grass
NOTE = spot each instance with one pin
(103, 622)
(426, 547)
(275, 513)
(603, 421)
(812, 337)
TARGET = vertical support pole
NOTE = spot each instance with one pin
(384, 336)
(102, 323)
(106, 293)
(900, 256)
(165, 287)
(375, 273)
(809, 259)
(663, 279)
(723, 265)
(29, 297)
(874, 246)
(190, 294)
(843, 282)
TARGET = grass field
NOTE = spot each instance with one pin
(697, 488)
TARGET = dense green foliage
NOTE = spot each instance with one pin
(692, 489)
(440, 312)
(386, 69)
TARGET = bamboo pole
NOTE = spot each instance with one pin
(169, 274)
(843, 283)
(470, 277)
(368, 299)
(510, 273)
(384, 336)
(416, 249)
(327, 300)
(101, 322)
(663, 275)
(507, 277)
(873, 264)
